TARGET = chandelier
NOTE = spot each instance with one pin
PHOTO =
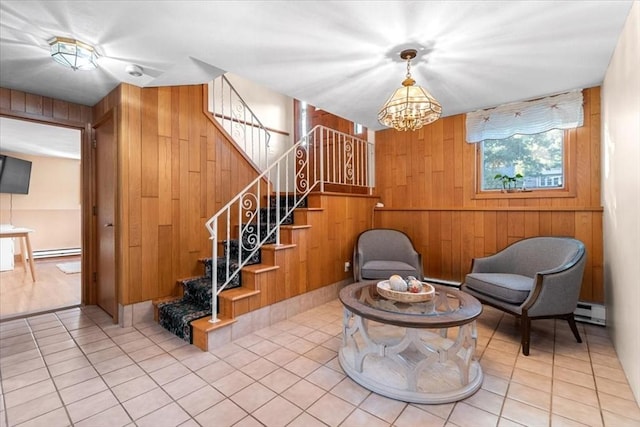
(73, 53)
(410, 107)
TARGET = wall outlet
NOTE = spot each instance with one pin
(347, 266)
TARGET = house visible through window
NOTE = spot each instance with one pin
(538, 158)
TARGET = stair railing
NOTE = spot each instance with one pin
(323, 156)
(235, 116)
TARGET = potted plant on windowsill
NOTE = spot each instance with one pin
(509, 183)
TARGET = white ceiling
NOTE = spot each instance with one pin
(341, 56)
(20, 136)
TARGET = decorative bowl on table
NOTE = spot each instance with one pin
(427, 293)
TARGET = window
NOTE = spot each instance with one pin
(357, 128)
(539, 159)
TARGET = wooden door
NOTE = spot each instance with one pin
(105, 140)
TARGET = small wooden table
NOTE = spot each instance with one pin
(25, 246)
(391, 348)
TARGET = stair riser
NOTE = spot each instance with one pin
(236, 308)
(262, 282)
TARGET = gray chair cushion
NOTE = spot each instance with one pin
(384, 269)
(511, 288)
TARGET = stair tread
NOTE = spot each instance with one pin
(204, 324)
(296, 227)
(311, 209)
(259, 268)
(281, 246)
(238, 293)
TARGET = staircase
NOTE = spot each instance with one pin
(253, 232)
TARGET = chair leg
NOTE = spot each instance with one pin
(525, 327)
(574, 328)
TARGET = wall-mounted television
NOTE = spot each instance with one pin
(15, 175)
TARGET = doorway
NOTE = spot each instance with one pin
(52, 208)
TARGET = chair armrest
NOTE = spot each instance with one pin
(356, 265)
(556, 291)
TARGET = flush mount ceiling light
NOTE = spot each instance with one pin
(410, 107)
(73, 53)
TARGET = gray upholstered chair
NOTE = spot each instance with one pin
(534, 278)
(381, 252)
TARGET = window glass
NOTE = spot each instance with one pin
(527, 161)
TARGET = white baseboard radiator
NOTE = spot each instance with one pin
(443, 282)
(586, 312)
(56, 253)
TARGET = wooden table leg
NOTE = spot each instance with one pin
(23, 252)
(31, 261)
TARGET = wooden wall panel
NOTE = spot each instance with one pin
(149, 142)
(426, 180)
(165, 259)
(18, 104)
(165, 181)
(150, 249)
(176, 169)
(133, 280)
(131, 147)
(332, 236)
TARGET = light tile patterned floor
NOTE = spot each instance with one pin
(75, 367)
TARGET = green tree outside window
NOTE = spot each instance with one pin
(538, 159)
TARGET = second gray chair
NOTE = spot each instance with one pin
(382, 252)
(534, 278)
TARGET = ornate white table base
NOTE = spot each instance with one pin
(410, 364)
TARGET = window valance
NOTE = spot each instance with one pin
(530, 117)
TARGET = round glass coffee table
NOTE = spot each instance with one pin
(420, 352)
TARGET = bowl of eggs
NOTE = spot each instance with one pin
(408, 290)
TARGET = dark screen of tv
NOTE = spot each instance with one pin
(15, 175)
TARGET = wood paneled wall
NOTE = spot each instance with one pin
(426, 180)
(317, 117)
(333, 234)
(176, 168)
(18, 104)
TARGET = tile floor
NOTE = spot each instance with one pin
(74, 367)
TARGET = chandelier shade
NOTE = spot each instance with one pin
(73, 54)
(410, 107)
